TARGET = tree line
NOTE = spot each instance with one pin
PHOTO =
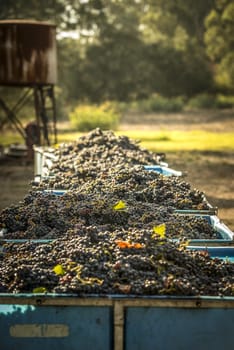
(131, 49)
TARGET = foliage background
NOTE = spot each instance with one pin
(131, 50)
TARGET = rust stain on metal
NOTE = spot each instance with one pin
(27, 53)
(39, 330)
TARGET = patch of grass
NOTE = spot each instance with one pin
(166, 141)
(69, 136)
(9, 137)
(183, 140)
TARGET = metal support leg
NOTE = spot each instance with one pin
(43, 112)
(13, 119)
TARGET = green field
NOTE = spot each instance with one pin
(184, 140)
(165, 141)
(168, 141)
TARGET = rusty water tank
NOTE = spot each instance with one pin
(27, 53)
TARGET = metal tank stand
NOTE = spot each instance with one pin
(11, 114)
(45, 108)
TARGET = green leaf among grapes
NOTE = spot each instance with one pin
(39, 290)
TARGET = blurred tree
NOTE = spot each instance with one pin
(47, 10)
(178, 28)
(175, 72)
(114, 69)
(70, 67)
(113, 65)
(219, 38)
(128, 48)
(165, 19)
(85, 16)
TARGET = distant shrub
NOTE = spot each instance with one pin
(201, 101)
(88, 117)
(159, 103)
(225, 101)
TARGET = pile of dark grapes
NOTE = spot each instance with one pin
(115, 230)
(45, 215)
(119, 262)
(77, 162)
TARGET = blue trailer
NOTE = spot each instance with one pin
(117, 322)
(164, 170)
(68, 322)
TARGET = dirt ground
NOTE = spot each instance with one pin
(210, 172)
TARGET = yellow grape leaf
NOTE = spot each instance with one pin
(59, 270)
(119, 206)
(39, 290)
(159, 230)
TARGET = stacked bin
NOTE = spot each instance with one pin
(116, 322)
(44, 159)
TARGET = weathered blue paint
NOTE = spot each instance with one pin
(149, 328)
(224, 253)
(86, 327)
(163, 170)
(55, 192)
(147, 323)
